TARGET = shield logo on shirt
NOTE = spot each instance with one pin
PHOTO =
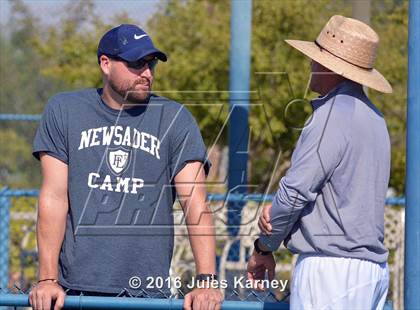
(118, 160)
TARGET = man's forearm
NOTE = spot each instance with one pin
(51, 225)
(263, 247)
(202, 238)
(285, 211)
(191, 190)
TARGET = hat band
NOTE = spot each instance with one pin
(346, 60)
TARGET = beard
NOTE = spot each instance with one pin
(128, 91)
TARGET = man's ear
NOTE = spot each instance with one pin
(105, 64)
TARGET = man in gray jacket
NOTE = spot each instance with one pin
(329, 207)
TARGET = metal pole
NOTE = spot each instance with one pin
(91, 302)
(361, 10)
(4, 240)
(412, 186)
(240, 54)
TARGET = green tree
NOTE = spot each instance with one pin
(70, 50)
(390, 20)
(38, 60)
(196, 35)
(23, 90)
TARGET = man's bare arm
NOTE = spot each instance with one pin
(52, 215)
(192, 194)
(51, 225)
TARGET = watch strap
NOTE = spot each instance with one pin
(258, 249)
(206, 277)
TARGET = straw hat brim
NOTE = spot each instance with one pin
(370, 78)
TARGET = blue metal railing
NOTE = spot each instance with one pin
(210, 197)
(21, 117)
(412, 215)
(4, 237)
(239, 82)
(91, 302)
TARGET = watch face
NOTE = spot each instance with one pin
(206, 277)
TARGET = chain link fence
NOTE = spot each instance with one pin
(19, 230)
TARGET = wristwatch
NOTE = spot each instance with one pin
(258, 250)
(206, 280)
(206, 277)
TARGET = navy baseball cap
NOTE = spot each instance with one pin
(128, 42)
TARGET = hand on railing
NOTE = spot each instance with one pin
(45, 293)
(203, 298)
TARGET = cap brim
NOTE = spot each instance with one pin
(370, 78)
(138, 53)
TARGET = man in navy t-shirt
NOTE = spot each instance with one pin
(113, 160)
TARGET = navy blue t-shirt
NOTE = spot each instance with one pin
(121, 165)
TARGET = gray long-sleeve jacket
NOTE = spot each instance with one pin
(331, 200)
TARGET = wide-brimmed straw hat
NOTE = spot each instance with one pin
(347, 47)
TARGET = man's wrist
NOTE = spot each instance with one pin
(206, 280)
(260, 248)
(206, 277)
(53, 280)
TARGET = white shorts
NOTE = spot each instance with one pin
(324, 282)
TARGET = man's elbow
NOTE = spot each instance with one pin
(52, 205)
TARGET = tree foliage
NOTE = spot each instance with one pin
(38, 60)
(196, 35)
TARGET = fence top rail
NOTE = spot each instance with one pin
(231, 197)
(21, 117)
(91, 302)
